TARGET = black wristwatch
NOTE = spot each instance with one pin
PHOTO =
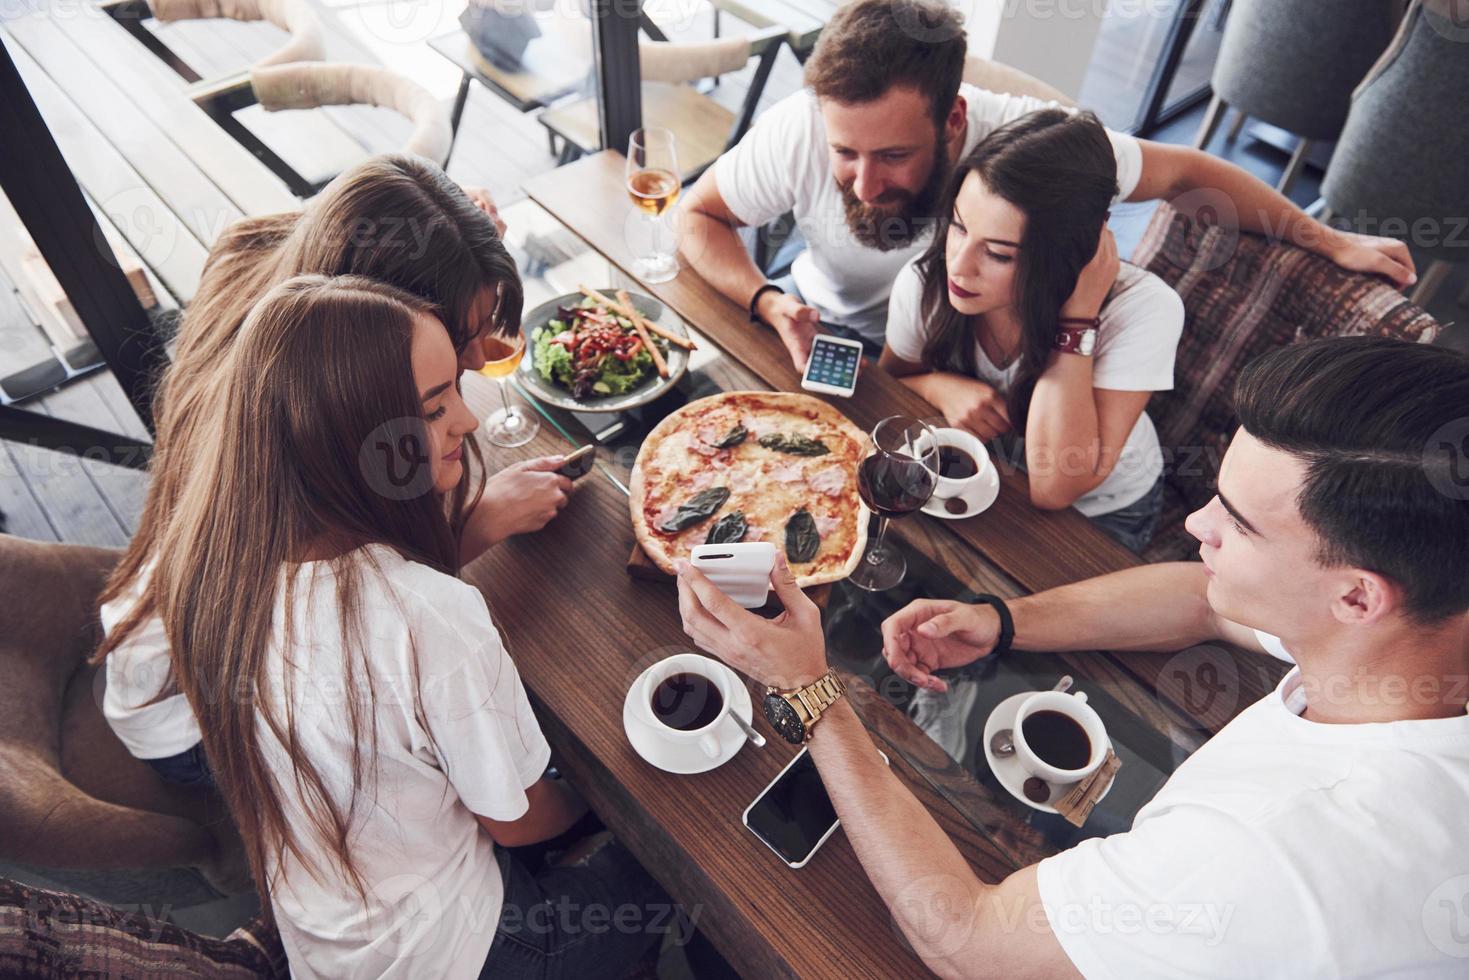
(1007, 622)
(755, 300)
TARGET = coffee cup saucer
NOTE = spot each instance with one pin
(977, 499)
(684, 758)
(1009, 771)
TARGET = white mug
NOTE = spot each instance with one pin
(971, 444)
(707, 737)
(1073, 706)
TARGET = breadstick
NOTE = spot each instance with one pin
(672, 338)
(640, 325)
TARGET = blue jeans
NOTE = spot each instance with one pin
(188, 768)
(1133, 526)
(595, 918)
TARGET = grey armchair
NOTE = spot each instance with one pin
(1401, 166)
(1294, 63)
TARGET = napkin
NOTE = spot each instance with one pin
(1079, 801)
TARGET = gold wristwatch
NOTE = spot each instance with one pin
(793, 714)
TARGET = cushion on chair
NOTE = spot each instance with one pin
(1243, 296)
(70, 795)
(45, 934)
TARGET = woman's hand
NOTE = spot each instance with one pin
(485, 203)
(521, 498)
(930, 634)
(1095, 281)
(786, 652)
(969, 404)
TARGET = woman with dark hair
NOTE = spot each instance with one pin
(1019, 321)
(362, 717)
(394, 218)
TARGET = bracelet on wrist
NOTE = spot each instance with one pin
(755, 300)
(1007, 622)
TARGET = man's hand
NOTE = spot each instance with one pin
(969, 404)
(1095, 281)
(931, 634)
(521, 498)
(786, 652)
(1370, 253)
(793, 320)
(485, 203)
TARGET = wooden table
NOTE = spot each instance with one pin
(580, 630)
(803, 19)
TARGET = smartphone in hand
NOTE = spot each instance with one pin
(578, 462)
(741, 571)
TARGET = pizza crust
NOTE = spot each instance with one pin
(657, 546)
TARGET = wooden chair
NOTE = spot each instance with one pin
(996, 77)
(71, 796)
(704, 128)
(1243, 295)
(310, 85)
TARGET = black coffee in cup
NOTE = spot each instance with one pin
(956, 463)
(687, 701)
(1057, 739)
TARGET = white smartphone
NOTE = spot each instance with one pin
(741, 571)
(833, 365)
(793, 815)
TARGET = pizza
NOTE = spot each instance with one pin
(753, 466)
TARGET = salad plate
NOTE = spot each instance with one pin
(613, 372)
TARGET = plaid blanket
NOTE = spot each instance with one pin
(1243, 295)
(45, 934)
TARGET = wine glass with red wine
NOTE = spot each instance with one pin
(897, 477)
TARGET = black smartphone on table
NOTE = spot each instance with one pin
(793, 815)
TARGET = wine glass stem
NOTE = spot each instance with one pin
(874, 554)
(505, 399)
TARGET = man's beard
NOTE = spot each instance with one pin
(898, 224)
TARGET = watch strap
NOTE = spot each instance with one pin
(1007, 622)
(1076, 336)
(755, 300)
(810, 702)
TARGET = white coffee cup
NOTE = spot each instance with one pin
(968, 442)
(1073, 706)
(707, 737)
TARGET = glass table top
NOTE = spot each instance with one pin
(955, 721)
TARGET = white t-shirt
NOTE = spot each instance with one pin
(1136, 343)
(783, 164)
(136, 671)
(1282, 848)
(434, 887)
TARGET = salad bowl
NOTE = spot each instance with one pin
(533, 380)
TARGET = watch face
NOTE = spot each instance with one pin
(783, 719)
(1088, 343)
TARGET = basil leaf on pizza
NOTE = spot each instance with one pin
(698, 509)
(796, 445)
(802, 538)
(729, 529)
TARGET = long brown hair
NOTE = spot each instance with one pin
(1060, 170)
(318, 369)
(394, 218)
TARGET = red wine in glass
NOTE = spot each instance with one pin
(894, 485)
(897, 477)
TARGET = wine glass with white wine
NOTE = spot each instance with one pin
(510, 425)
(653, 183)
